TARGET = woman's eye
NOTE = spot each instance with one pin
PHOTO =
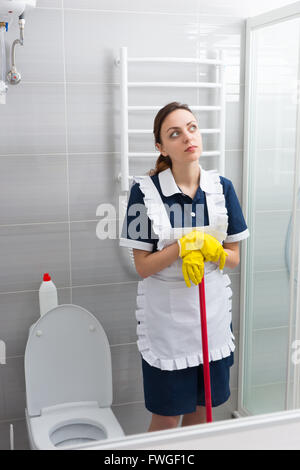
(193, 127)
(175, 132)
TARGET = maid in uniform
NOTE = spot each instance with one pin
(182, 222)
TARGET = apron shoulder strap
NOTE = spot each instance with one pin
(156, 210)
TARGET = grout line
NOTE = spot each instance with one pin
(122, 344)
(67, 150)
(60, 154)
(84, 154)
(272, 328)
(268, 384)
(116, 219)
(270, 271)
(30, 82)
(129, 403)
(95, 10)
(141, 12)
(159, 12)
(12, 420)
(51, 223)
(74, 287)
(273, 211)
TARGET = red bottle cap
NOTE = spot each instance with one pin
(47, 277)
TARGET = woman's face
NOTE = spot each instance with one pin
(180, 137)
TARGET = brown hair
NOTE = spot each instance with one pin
(162, 163)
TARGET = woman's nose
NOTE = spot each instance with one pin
(186, 136)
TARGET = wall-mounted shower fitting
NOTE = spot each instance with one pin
(13, 76)
(10, 10)
(3, 85)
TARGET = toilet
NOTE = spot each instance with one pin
(68, 379)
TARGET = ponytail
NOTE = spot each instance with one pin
(162, 163)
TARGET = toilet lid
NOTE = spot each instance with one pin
(67, 359)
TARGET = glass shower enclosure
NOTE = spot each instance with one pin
(269, 362)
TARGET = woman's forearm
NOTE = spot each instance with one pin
(152, 263)
(233, 258)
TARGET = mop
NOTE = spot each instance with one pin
(206, 372)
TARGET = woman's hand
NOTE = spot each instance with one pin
(193, 267)
(210, 247)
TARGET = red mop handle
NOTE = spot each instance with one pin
(206, 372)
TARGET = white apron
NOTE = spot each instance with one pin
(169, 333)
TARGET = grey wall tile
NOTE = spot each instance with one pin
(4, 436)
(133, 417)
(92, 118)
(36, 192)
(237, 8)
(49, 3)
(234, 170)
(2, 397)
(163, 71)
(90, 55)
(41, 57)
(12, 380)
(235, 114)
(21, 441)
(220, 32)
(170, 6)
(33, 120)
(114, 306)
(28, 251)
(127, 374)
(17, 313)
(97, 261)
(93, 181)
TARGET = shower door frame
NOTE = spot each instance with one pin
(258, 22)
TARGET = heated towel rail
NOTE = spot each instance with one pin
(219, 84)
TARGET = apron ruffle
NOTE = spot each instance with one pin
(190, 360)
(155, 210)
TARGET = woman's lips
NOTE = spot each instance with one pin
(191, 149)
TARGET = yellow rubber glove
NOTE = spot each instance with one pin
(193, 268)
(210, 247)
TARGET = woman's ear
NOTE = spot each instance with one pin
(160, 149)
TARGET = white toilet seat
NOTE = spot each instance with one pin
(42, 427)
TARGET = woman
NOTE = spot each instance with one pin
(171, 256)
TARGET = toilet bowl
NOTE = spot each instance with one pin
(68, 381)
